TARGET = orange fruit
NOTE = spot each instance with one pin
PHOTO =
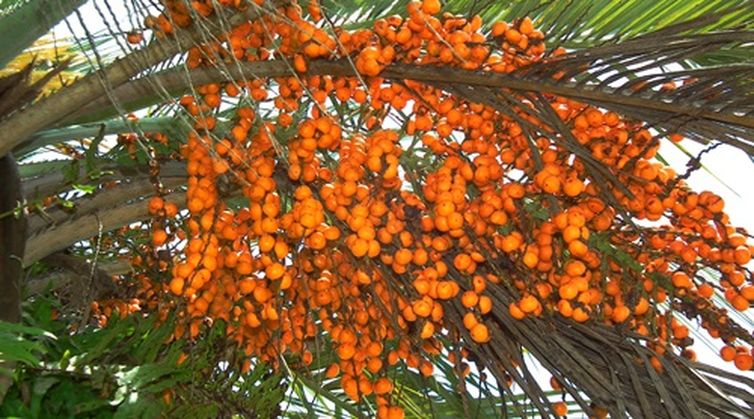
(480, 333)
(431, 7)
(469, 299)
(727, 353)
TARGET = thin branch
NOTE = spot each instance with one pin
(55, 182)
(125, 192)
(46, 241)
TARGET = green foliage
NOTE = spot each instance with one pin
(125, 370)
(21, 344)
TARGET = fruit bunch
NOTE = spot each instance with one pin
(374, 233)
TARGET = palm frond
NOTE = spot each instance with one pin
(580, 26)
(573, 24)
(28, 22)
(621, 57)
(716, 105)
(168, 126)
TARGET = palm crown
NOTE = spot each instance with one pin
(338, 208)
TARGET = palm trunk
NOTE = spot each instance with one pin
(12, 244)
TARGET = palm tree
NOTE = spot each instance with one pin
(79, 145)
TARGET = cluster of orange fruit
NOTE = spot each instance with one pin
(344, 230)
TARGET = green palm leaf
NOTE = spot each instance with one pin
(25, 21)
